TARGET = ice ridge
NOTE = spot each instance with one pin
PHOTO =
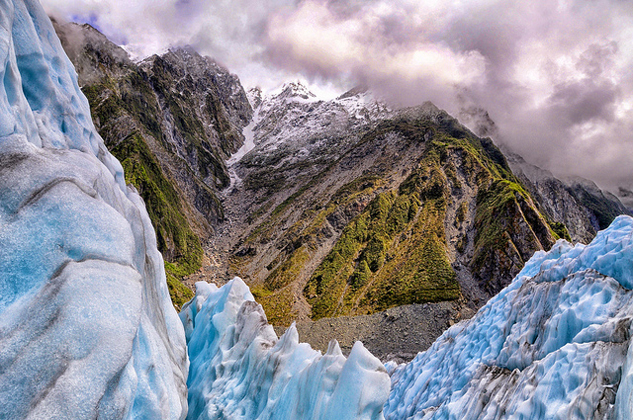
(87, 329)
(555, 344)
(240, 370)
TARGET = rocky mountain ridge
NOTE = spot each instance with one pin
(326, 208)
(577, 202)
(383, 162)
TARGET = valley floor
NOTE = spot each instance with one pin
(397, 334)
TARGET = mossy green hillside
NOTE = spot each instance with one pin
(277, 306)
(505, 218)
(132, 97)
(111, 99)
(302, 242)
(178, 292)
(560, 230)
(394, 253)
(180, 247)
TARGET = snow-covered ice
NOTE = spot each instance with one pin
(555, 344)
(87, 329)
(241, 371)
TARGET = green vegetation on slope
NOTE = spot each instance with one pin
(394, 253)
(132, 96)
(180, 246)
(276, 294)
(493, 205)
(395, 250)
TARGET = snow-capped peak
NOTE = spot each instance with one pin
(296, 90)
(254, 96)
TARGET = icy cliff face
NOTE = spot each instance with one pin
(87, 329)
(554, 344)
(239, 370)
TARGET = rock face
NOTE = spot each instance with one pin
(352, 208)
(172, 121)
(87, 329)
(556, 343)
(576, 202)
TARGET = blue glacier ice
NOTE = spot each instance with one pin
(87, 329)
(555, 344)
(241, 371)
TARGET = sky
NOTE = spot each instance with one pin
(555, 76)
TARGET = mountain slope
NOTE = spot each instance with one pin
(379, 208)
(172, 121)
(326, 208)
(574, 201)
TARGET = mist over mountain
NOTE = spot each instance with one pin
(554, 76)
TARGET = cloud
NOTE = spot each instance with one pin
(370, 45)
(554, 75)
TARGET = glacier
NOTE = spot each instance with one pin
(87, 329)
(554, 344)
(241, 371)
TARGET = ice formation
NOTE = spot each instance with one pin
(87, 329)
(240, 371)
(555, 344)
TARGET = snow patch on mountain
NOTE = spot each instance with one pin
(293, 123)
(249, 144)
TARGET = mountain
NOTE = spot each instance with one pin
(87, 329)
(577, 202)
(348, 208)
(626, 197)
(172, 121)
(326, 208)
